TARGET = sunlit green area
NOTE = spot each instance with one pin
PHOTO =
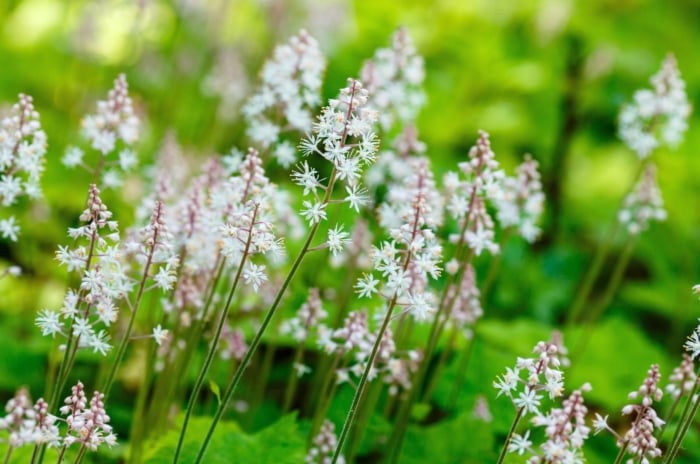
(545, 77)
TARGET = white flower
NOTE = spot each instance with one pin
(357, 197)
(508, 382)
(693, 344)
(366, 286)
(529, 400)
(73, 157)
(9, 229)
(600, 423)
(314, 212)
(49, 322)
(254, 275)
(337, 238)
(519, 444)
(160, 334)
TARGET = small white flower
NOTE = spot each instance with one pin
(314, 212)
(519, 444)
(366, 286)
(160, 334)
(73, 157)
(692, 345)
(9, 229)
(529, 400)
(337, 238)
(254, 275)
(600, 423)
(357, 197)
(49, 322)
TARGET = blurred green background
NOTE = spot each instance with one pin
(546, 77)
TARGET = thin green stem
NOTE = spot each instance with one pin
(352, 412)
(602, 251)
(233, 385)
(511, 432)
(687, 417)
(462, 372)
(293, 379)
(129, 328)
(610, 290)
(215, 340)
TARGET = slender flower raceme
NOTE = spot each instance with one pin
(323, 446)
(92, 308)
(394, 77)
(22, 151)
(343, 136)
(520, 202)
(289, 94)
(658, 116)
(113, 127)
(467, 198)
(643, 205)
(565, 429)
(406, 263)
(639, 440)
(88, 422)
(542, 374)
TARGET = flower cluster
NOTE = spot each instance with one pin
(27, 423)
(542, 374)
(307, 318)
(465, 298)
(291, 86)
(565, 429)
(356, 339)
(639, 440)
(658, 116)
(683, 378)
(103, 280)
(344, 136)
(520, 202)
(394, 78)
(412, 257)
(87, 422)
(324, 445)
(114, 121)
(152, 247)
(22, 150)
(643, 205)
(467, 198)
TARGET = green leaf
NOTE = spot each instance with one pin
(280, 443)
(214, 387)
(464, 439)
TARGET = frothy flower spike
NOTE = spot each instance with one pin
(643, 205)
(657, 116)
(22, 156)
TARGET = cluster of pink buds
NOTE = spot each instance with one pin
(87, 422)
(639, 441)
(323, 446)
(467, 198)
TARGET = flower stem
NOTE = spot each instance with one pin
(215, 341)
(233, 385)
(511, 432)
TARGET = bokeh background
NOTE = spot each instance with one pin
(546, 77)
